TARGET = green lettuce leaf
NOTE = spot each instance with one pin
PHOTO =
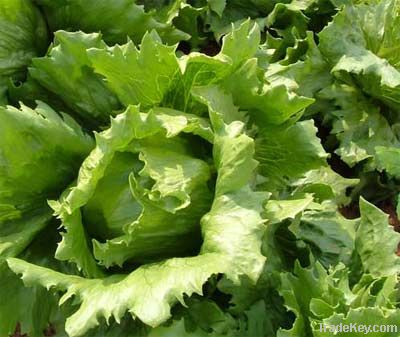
(16, 235)
(52, 146)
(278, 210)
(376, 242)
(188, 21)
(327, 234)
(210, 200)
(23, 36)
(330, 236)
(40, 140)
(305, 77)
(158, 178)
(359, 125)
(117, 20)
(29, 305)
(361, 45)
(137, 76)
(368, 317)
(286, 153)
(299, 289)
(205, 318)
(156, 76)
(276, 146)
(222, 13)
(149, 292)
(288, 19)
(66, 72)
(387, 159)
(270, 103)
(318, 296)
(36, 312)
(326, 185)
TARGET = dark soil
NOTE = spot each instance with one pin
(17, 332)
(388, 207)
(351, 211)
(50, 331)
(212, 48)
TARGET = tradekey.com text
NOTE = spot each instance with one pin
(356, 327)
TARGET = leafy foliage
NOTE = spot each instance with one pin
(198, 168)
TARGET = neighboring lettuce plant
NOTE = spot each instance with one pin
(23, 35)
(41, 153)
(118, 20)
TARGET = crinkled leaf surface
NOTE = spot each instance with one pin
(288, 152)
(165, 179)
(367, 317)
(42, 141)
(117, 20)
(66, 72)
(235, 214)
(359, 42)
(23, 36)
(358, 124)
(376, 242)
(233, 154)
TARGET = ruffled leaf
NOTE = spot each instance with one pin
(66, 72)
(23, 36)
(359, 42)
(376, 242)
(116, 20)
(149, 292)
